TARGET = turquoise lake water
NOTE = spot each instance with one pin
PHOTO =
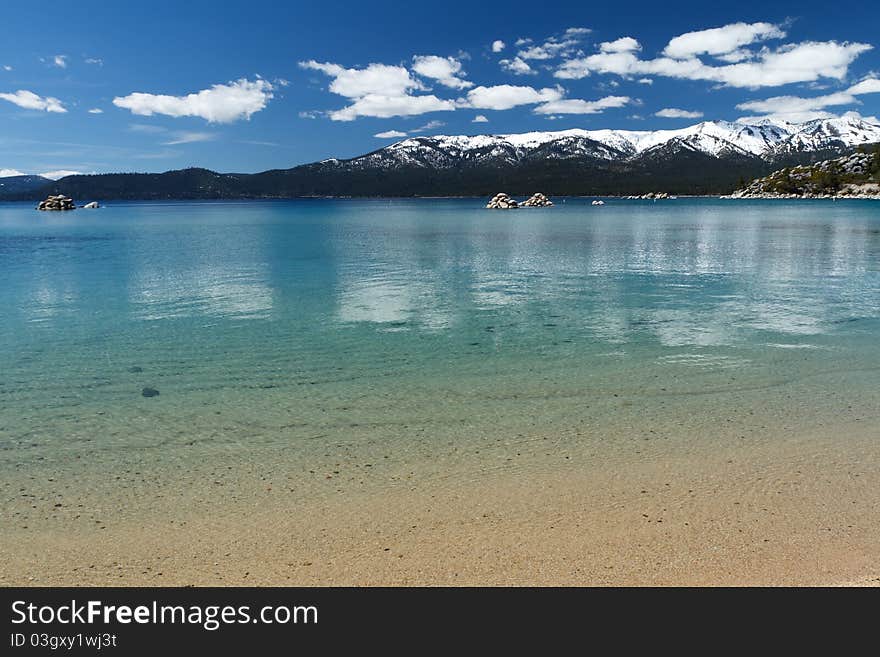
(410, 323)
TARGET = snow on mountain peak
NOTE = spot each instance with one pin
(761, 138)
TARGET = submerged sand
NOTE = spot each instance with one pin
(790, 508)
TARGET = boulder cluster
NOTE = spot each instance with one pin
(651, 196)
(849, 176)
(59, 202)
(856, 164)
(538, 201)
(502, 201)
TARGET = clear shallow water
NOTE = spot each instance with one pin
(401, 326)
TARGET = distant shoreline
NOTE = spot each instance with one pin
(616, 197)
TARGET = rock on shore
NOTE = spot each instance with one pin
(852, 176)
(59, 202)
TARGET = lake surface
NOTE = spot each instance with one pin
(436, 311)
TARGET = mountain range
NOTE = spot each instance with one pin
(712, 157)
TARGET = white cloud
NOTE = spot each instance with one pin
(430, 125)
(578, 106)
(548, 50)
(534, 52)
(868, 86)
(498, 45)
(720, 40)
(375, 79)
(619, 63)
(623, 44)
(576, 32)
(8, 173)
(60, 61)
(506, 96)
(95, 61)
(61, 173)
(735, 56)
(189, 138)
(522, 41)
(222, 103)
(390, 134)
(384, 107)
(674, 113)
(30, 100)
(96, 110)
(645, 81)
(801, 62)
(394, 134)
(7, 67)
(479, 118)
(552, 47)
(795, 104)
(517, 66)
(378, 90)
(446, 70)
(145, 127)
(797, 108)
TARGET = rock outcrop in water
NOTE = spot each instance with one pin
(58, 203)
(502, 201)
(650, 196)
(538, 201)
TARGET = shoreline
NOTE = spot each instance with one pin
(617, 197)
(801, 197)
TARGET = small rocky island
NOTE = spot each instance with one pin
(538, 201)
(650, 196)
(60, 203)
(502, 201)
(852, 176)
(57, 203)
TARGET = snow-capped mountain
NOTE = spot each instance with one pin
(714, 157)
(21, 184)
(765, 140)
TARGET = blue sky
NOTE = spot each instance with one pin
(249, 86)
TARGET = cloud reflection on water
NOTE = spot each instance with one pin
(701, 277)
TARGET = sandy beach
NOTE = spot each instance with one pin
(791, 511)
